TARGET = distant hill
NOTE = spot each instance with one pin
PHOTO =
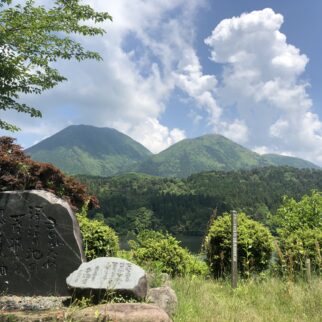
(185, 205)
(83, 149)
(282, 160)
(211, 152)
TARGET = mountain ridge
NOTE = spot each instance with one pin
(90, 150)
(84, 149)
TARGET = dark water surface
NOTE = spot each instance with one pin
(192, 243)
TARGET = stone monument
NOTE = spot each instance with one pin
(40, 243)
(108, 274)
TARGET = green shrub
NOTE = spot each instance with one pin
(255, 245)
(299, 245)
(162, 252)
(99, 240)
(299, 229)
(20, 172)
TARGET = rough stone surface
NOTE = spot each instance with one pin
(122, 312)
(164, 297)
(40, 243)
(104, 274)
(33, 303)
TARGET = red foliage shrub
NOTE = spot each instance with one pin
(19, 172)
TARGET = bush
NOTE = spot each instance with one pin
(19, 172)
(298, 246)
(255, 245)
(99, 240)
(299, 229)
(162, 252)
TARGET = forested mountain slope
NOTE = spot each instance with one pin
(84, 149)
(185, 205)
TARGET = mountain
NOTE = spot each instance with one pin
(205, 153)
(185, 205)
(84, 149)
(281, 160)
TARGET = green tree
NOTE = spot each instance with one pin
(255, 245)
(299, 229)
(32, 38)
(155, 250)
(99, 240)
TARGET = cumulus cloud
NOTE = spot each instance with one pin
(142, 53)
(262, 82)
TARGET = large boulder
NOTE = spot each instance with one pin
(40, 243)
(164, 297)
(105, 275)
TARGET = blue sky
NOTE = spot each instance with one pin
(250, 70)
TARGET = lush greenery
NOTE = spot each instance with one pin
(19, 172)
(162, 252)
(99, 240)
(104, 152)
(282, 160)
(268, 299)
(299, 228)
(255, 245)
(185, 205)
(32, 38)
(206, 153)
(88, 149)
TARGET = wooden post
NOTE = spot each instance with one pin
(308, 269)
(234, 271)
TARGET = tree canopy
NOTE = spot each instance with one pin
(32, 38)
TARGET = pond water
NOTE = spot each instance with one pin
(192, 243)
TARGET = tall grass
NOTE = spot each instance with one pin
(271, 299)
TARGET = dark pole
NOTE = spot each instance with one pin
(234, 249)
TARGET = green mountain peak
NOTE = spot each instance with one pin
(85, 149)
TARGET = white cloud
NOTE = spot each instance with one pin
(142, 53)
(236, 131)
(261, 80)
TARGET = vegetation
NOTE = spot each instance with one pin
(104, 152)
(162, 252)
(255, 246)
(31, 39)
(299, 228)
(99, 240)
(19, 172)
(268, 299)
(88, 149)
(208, 153)
(185, 205)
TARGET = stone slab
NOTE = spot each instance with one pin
(40, 243)
(109, 273)
(121, 312)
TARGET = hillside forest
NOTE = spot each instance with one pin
(132, 202)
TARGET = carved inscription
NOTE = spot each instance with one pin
(37, 241)
(32, 240)
(109, 274)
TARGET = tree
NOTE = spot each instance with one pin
(299, 229)
(255, 245)
(19, 172)
(31, 39)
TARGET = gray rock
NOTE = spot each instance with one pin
(102, 275)
(165, 297)
(40, 243)
(121, 312)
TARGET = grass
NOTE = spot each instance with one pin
(266, 300)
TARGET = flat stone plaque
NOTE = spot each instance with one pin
(40, 243)
(109, 273)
